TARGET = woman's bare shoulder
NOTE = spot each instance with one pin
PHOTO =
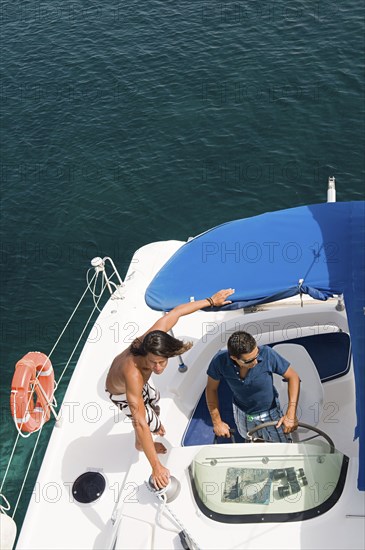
(122, 370)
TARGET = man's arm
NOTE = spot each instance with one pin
(289, 420)
(160, 474)
(171, 318)
(221, 429)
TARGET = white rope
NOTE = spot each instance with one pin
(183, 528)
(27, 472)
(9, 462)
(81, 335)
(163, 506)
(69, 320)
(51, 352)
(56, 385)
(20, 433)
(87, 279)
(107, 282)
(5, 508)
(159, 516)
(51, 404)
(93, 290)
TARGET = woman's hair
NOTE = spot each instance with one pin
(240, 342)
(159, 343)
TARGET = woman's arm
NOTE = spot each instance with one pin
(171, 318)
(160, 474)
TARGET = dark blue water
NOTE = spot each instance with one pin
(125, 123)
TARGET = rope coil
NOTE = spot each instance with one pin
(5, 508)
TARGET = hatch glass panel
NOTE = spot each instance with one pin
(283, 482)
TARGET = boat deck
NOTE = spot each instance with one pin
(93, 435)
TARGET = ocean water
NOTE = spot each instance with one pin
(125, 123)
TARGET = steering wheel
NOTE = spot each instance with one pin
(300, 425)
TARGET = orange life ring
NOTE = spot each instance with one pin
(33, 374)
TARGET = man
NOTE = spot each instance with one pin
(128, 379)
(248, 370)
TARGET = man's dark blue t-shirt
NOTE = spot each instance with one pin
(255, 393)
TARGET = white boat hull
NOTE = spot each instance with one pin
(92, 436)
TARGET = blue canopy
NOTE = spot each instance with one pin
(317, 250)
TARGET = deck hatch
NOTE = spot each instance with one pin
(88, 487)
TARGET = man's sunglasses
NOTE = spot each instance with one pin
(250, 361)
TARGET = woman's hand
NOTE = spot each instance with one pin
(220, 298)
(160, 476)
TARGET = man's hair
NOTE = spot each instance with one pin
(159, 343)
(240, 342)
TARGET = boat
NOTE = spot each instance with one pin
(298, 276)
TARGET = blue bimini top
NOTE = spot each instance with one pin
(317, 249)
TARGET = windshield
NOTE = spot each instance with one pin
(237, 483)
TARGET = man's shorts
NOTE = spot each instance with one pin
(150, 399)
(246, 422)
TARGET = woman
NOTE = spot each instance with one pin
(128, 379)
